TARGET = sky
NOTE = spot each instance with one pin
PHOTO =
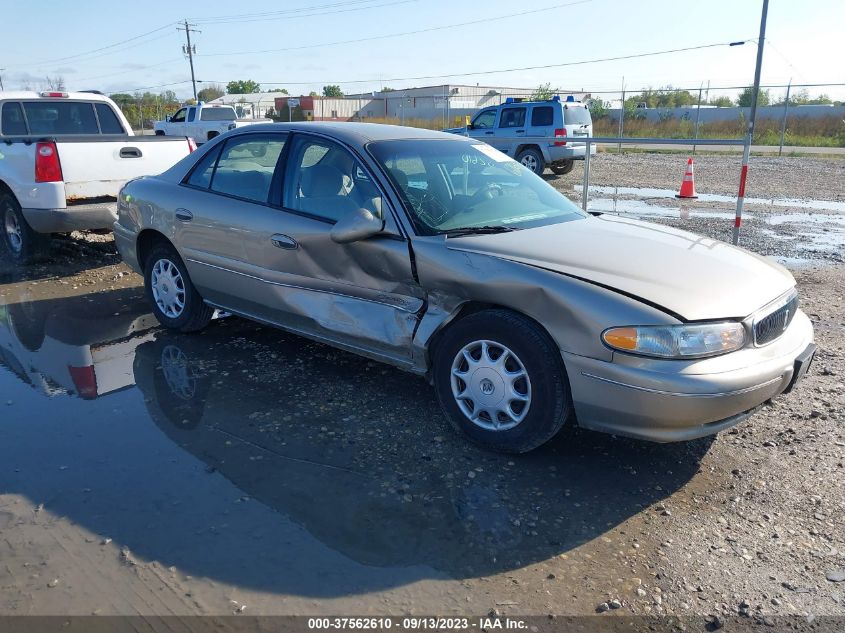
(302, 45)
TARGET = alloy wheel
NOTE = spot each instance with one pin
(168, 288)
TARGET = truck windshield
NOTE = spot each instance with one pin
(61, 117)
(459, 187)
(218, 114)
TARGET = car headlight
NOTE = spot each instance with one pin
(677, 341)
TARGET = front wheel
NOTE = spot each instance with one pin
(23, 244)
(175, 302)
(533, 160)
(561, 169)
(500, 380)
(159, 132)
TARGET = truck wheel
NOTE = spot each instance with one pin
(23, 244)
(159, 132)
(561, 169)
(501, 381)
(175, 302)
(532, 159)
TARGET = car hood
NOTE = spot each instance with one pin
(691, 276)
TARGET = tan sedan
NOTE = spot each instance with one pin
(442, 256)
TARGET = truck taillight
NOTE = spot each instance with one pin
(50, 93)
(47, 165)
(192, 145)
(85, 381)
(561, 133)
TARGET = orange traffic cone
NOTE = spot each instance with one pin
(688, 183)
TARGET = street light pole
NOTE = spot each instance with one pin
(749, 136)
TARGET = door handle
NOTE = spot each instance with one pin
(184, 215)
(284, 241)
(520, 131)
(130, 152)
(489, 133)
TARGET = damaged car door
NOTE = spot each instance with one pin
(358, 292)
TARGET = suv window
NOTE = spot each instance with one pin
(109, 123)
(246, 165)
(217, 114)
(577, 116)
(61, 117)
(179, 117)
(192, 113)
(512, 117)
(542, 116)
(11, 121)
(485, 119)
(326, 181)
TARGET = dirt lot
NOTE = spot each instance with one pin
(245, 471)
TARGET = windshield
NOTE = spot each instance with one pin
(217, 114)
(453, 185)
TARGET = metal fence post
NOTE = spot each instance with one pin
(783, 122)
(697, 117)
(585, 186)
(621, 116)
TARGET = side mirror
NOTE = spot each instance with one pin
(167, 118)
(356, 226)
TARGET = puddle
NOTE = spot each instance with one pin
(641, 207)
(804, 218)
(647, 192)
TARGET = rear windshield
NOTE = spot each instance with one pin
(217, 114)
(579, 115)
(60, 117)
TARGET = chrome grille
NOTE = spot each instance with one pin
(771, 326)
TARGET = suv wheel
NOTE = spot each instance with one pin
(22, 243)
(533, 160)
(175, 302)
(561, 169)
(501, 381)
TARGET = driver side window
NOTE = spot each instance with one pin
(179, 117)
(485, 120)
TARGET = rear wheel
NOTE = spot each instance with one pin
(563, 168)
(22, 243)
(532, 159)
(175, 302)
(500, 380)
(159, 132)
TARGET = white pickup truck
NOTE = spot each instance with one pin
(202, 122)
(63, 159)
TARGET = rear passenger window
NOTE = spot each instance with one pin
(204, 169)
(542, 116)
(12, 122)
(512, 117)
(108, 120)
(246, 165)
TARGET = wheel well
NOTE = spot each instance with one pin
(468, 308)
(211, 135)
(522, 148)
(4, 188)
(146, 240)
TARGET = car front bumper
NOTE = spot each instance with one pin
(73, 218)
(668, 401)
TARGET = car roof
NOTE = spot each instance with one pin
(355, 133)
(71, 96)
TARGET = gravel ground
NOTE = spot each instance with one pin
(747, 524)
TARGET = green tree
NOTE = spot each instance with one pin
(597, 107)
(332, 91)
(243, 87)
(313, 94)
(744, 99)
(280, 90)
(722, 102)
(210, 93)
(543, 92)
(387, 89)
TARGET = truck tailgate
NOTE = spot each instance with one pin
(99, 167)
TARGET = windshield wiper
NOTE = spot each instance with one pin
(478, 230)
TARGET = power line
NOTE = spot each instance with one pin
(508, 70)
(303, 12)
(96, 50)
(415, 32)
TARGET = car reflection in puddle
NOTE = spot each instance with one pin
(280, 464)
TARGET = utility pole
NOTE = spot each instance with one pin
(1, 78)
(752, 115)
(189, 50)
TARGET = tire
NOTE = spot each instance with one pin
(563, 168)
(159, 132)
(21, 242)
(518, 426)
(176, 303)
(533, 160)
